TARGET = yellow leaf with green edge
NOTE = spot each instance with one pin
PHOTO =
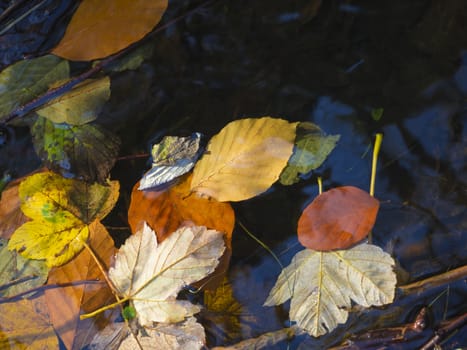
(61, 210)
(244, 159)
(79, 106)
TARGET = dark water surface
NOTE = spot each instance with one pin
(332, 63)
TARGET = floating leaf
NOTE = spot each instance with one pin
(244, 159)
(100, 28)
(79, 106)
(312, 147)
(151, 274)
(337, 219)
(19, 274)
(321, 285)
(61, 211)
(66, 303)
(27, 79)
(166, 210)
(86, 151)
(11, 216)
(171, 158)
(25, 325)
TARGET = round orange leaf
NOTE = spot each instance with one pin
(337, 219)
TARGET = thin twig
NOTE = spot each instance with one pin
(435, 281)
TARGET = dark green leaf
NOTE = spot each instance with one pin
(85, 151)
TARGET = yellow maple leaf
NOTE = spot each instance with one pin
(244, 159)
(61, 211)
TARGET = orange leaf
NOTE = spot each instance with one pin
(337, 219)
(100, 28)
(11, 216)
(65, 303)
(166, 210)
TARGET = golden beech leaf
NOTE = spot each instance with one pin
(61, 211)
(244, 159)
(65, 303)
(337, 219)
(25, 324)
(100, 28)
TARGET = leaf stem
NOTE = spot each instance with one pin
(320, 185)
(104, 308)
(377, 146)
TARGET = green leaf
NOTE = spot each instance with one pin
(26, 80)
(311, 149)
(85, 151)
(79, 106)
(321, 285)
(61, 212)
(19, 274)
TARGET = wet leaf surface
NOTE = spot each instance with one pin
(102, 28)
(61, 211)
(244, 159)
(337, 219)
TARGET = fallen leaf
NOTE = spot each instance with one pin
(85, 151)
(19, 274)
(61, 211)
(244, 159)
(171, 158)
(11, 216)
(321, 285)
(66, 303)
(25, 325)
(166, 210)
(150, 275)
(186, 335)
(23, 81)
(337, 219)
(100, 28)
(311, 148)
(79, 106)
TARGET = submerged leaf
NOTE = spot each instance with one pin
(312, 147)
(100, 28)
(61, 210)
(11, 216)
(321, 285)
(27, 79)
(171, 158)
(244, 159)
(187, 335)
(19, 274)
(337, 219)
(152, 274)
(79, 106)
(86, 151)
